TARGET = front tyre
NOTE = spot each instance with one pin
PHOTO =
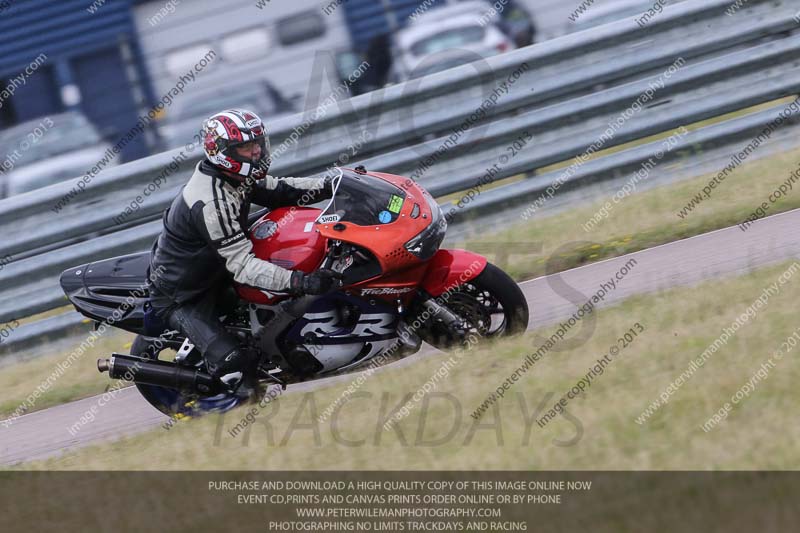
(491, 305)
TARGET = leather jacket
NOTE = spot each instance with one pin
(205, 238)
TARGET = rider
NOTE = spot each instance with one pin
(204, 243)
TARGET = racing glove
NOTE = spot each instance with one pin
(318, 282)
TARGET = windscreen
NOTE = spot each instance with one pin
(363, 200)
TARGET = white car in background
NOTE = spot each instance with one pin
(67, 149)
(433, 43)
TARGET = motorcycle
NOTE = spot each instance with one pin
(380, 231)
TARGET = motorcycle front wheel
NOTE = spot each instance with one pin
(492, 305)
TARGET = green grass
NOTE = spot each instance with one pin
(599, 434)
(663, 135)
(639, 221)
(80, 379)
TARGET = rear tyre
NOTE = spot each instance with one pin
(174, 403)
(492, 305)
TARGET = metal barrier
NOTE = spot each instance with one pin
(565, 93)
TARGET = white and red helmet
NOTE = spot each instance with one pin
(224, 131)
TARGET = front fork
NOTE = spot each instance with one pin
(448, 317)
(451, 320)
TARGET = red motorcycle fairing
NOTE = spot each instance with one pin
(450, 268)
(286, 237)
(290, 238)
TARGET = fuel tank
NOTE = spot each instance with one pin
(288, 238)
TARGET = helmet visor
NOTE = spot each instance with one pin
(255, 152)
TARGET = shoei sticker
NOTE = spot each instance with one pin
(385, 217)
(395, 203)
(327, 219)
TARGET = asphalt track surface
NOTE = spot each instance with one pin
(721, 253)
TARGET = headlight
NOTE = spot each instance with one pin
(427, 241)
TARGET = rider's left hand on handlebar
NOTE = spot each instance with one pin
(318, 282)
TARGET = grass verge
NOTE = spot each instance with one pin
(599, 430)
(80, 379)
(640, 221)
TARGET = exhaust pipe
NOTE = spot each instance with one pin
(159, 373)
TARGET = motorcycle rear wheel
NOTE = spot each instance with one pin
(174, 403)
